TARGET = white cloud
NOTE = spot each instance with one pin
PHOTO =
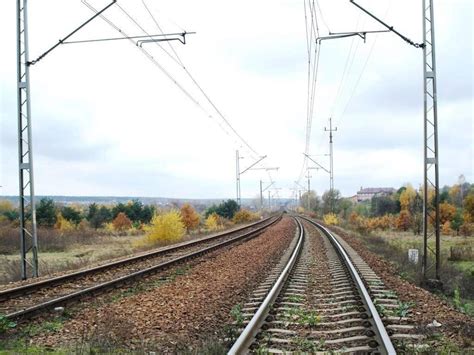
(108, 122)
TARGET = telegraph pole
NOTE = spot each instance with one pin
(261, 195)
(331, 155)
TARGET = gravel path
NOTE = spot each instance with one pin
(455, 326)
(183, 314)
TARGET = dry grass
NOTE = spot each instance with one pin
(73, 255)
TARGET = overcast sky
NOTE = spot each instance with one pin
(108, 121)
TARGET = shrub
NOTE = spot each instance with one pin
(467, 229)
(404, 220)
(189, 216)
(330, 219)
(212, 222)
(244, 216)
(121, 222)
(446, 228)
(62, 224)
(167, 227)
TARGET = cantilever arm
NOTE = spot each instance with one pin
(61, 41)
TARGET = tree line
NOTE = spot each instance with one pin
(401, 210)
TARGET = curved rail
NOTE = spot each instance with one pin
(245, 339)
(30, 311)
(24, 289)
(379, 327)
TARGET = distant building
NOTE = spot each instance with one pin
(365, 194)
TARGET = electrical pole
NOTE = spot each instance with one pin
(261, 195)
(238, 173)
(431, 168)
(309, 189)
(237, 176)
(27, 210)
(331, 155)
(28, 234)
(430, 137)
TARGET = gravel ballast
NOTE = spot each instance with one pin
(455, 326)
(187, 312)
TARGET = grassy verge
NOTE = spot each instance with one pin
(457, 276)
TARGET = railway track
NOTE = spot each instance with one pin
(28, 300)
(323, 297)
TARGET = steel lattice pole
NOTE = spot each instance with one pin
(28, 235)
(431, 157)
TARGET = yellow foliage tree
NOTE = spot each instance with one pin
(407, 197)
(189, 216)
(469, 207)
(166, 227)
(212, 222)
(330, 219)
(243, 216)
(63, 224)
(122, 222)
(6, 206)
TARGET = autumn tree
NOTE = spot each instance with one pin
(446, 228)
(190, 217)
(404, 220)
(330, 219)
(244, 216)
(406, 197)
(446, 212)
(122, 222)
(63, 224)
(166, 227)
(212, 222)
(469, 206)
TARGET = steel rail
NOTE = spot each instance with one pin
(21, 290)
(381, 332)
(247, 336)
(30, 311)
